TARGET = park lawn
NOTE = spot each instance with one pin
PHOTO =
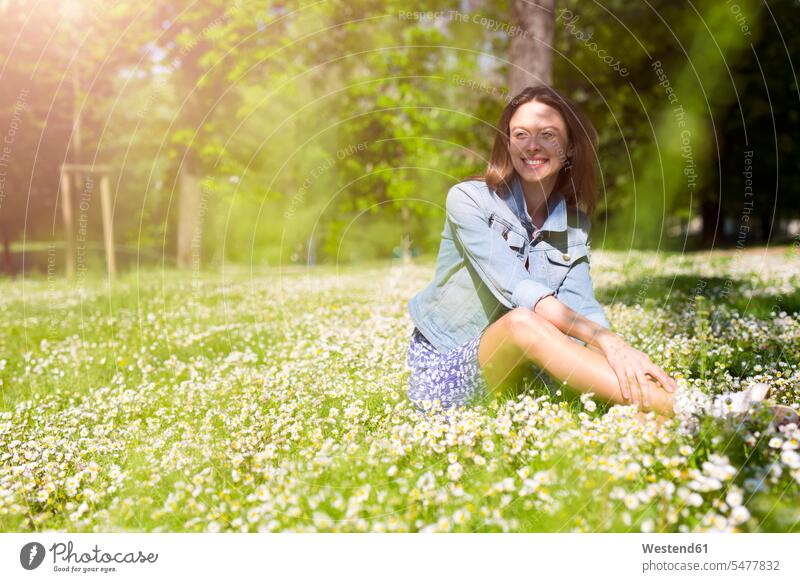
(275, 401)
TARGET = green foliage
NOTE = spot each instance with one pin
(317, 116)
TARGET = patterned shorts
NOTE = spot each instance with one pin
(453, 377)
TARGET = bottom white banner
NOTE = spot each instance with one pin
(353, 557)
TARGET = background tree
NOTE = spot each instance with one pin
(530, 50)
(270, 132)
(762, 117)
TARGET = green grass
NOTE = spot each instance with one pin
(275, 400)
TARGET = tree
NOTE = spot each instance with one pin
(759, 132)
(408, 96)
(35, 121)
(531, 48)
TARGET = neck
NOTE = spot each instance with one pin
(536, 197)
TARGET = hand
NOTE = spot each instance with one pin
(632, 368)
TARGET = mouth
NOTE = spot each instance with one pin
(534, 162)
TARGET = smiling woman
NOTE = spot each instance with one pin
(550, 145)
(512, 291)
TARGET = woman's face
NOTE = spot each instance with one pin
(538, 143)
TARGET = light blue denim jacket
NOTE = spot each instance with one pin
(492, 259)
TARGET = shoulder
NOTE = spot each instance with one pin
(474, 193)
(473, 187)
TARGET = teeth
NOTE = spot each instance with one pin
(533, 162)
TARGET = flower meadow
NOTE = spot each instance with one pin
(275, 401)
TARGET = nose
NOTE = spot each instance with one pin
(532, 145)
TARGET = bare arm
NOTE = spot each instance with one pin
(569, 322)
(630, 365)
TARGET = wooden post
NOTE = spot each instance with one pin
(189, 212)
(108, 226)
(66, 214)
(405, 242)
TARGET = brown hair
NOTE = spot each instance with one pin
(577, 179)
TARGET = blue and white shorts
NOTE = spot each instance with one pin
(453, 377)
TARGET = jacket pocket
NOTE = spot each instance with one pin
(559, 262)
(517, 241)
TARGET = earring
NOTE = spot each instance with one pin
(567, 164)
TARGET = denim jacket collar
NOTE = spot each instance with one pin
(556, 208)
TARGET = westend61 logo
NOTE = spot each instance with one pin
(65, 559)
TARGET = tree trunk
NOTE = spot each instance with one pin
(530, 52)
(767, 227)
(189, 199)
(710, 210)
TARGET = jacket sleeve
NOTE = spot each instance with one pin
(489, 254)
(577, 290)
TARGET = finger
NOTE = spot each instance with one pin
(662, 378)
(671, 382)
(644, 383)
(633, 385)
(635, 390)
(623, 383)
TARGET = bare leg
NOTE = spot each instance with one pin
(521, 336)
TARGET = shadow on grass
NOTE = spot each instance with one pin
(675, 293)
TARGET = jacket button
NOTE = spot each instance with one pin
(565, 256)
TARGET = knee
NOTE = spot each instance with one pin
(525, 328)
